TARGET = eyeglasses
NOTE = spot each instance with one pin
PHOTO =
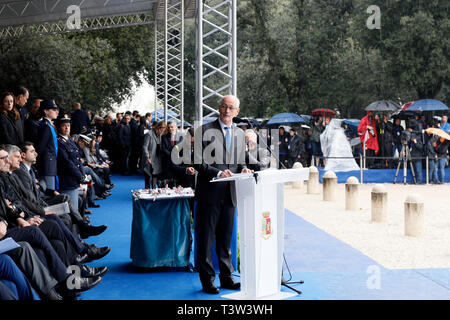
(232, 108)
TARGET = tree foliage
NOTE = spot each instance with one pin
(293, 56)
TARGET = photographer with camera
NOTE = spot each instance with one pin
(317, 127)
(411, 138)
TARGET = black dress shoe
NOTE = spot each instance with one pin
(83, 284)
(88, 231)
(230, 284)
(95, 253)
(210, 288)
(90, 272)
(87, 211)
(93, 205)
(99, 198)
(82, 258)
(52, 295)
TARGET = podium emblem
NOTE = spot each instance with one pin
(266, 230)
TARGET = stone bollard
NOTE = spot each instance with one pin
(329, 186)
(313, 181)
(297, 184)
(414, 215)
(379, 203)
(352, 194)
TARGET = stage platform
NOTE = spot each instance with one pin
(331, 269)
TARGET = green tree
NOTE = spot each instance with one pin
(413, 42)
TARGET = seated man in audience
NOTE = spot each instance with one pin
(11, 273)
(36, 272)
(25, 173)
(44, 250)
(26, 213)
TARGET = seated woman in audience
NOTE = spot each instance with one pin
(11, 125)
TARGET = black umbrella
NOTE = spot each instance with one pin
(383, 106)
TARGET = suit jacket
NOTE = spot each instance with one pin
(27, 182)
(124, 134)
(166, 151)
(11, 130)
(295, 146)
(151, 149)
(46, 150)
(212, 156)
(80, 122)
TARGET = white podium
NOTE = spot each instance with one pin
(260, 203)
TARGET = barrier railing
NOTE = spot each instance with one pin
(362, 160)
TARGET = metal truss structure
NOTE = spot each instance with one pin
(216, 54)
(87, 24)
(215, 39)
(169, 60)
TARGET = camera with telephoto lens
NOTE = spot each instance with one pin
(405, 137)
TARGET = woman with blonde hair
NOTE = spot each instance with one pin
(11, 125)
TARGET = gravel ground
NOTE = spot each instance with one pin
(385, 243)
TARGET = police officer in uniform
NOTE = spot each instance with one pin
(70, 168)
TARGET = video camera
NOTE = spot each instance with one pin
(405, 137)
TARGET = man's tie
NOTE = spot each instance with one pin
(33, 177)
(228, 137)
(33, 183)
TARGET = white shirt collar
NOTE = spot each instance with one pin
(223, 125)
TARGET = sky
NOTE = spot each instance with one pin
(142, 100)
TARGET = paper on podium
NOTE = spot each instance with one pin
(8, 244)
(235, 176)
(270, 176)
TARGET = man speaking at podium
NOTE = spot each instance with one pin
(221, 142)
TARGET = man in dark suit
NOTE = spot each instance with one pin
(295, 147)
(124, 141)
(21, 96)
(80, 120)
(219, 154)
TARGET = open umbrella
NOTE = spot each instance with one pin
(383, 106)
(323, 112)
(439, 132)
(404, 113)
(285, 118)
(427, 105)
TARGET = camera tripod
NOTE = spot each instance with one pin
(405, 157)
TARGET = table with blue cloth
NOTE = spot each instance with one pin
(160, 232)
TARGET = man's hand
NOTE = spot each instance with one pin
(2, 229)
(56, 193)
(246, 171)
(190, 171)
(226, 173)
(149, 161)
(35, 221)
(22, 223)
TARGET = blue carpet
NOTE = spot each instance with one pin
(330, 268)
